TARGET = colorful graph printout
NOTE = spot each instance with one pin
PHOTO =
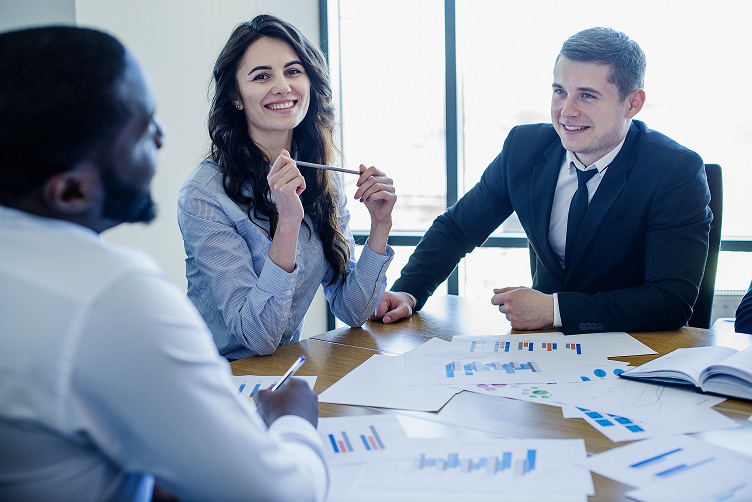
(361, 438)
(491, 464)
(500, 466)
(668, 463)
(443, 369)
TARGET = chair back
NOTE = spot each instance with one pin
(703, 309)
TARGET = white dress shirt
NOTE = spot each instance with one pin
(566, 186)
(109, 379)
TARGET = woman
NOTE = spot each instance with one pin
(260, 234)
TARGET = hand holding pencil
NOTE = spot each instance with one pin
(291, 397)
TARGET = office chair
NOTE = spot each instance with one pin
(703, 309)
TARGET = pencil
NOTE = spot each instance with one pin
(328, 168)
(297, 364)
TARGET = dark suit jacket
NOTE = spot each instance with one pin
(743, 321)
(642, 246)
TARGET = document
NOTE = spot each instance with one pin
(381, 381)
(677, 468)
(531, 469)
(357, 439)
(717, 370)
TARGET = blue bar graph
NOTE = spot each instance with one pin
(483, 346)
(653, 460)
(471, 369)
(490, 464)
(370, 441)
(682, 467)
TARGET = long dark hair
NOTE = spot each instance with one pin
(241, 161)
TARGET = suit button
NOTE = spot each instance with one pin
(582, 326)
(600, 325)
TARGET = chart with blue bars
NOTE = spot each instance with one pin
(369, 441)
(493, 464)
(527, 346)
(470, 369)
(671, 463)
(253, 391)
(608, 420)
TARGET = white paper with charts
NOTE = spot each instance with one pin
(663, 468)
(357, 439)
(503, 359)
(493, 468)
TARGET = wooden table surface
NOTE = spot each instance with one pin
(333, 354)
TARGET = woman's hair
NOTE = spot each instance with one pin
(242, 162)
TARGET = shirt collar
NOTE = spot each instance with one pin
(600, 164)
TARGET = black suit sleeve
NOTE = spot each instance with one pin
(743, 322)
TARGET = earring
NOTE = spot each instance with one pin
(238, 106)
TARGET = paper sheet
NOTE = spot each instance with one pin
(381, 381)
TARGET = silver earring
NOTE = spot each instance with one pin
(238, 107)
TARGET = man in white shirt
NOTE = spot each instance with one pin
(109, 379)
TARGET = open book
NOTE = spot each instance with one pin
(717, 370)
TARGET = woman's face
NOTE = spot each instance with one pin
(274, 88)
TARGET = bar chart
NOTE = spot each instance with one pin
(470, 369)
(670, 463)
(370, 441)
(526, 346)
(253, 390)
(492, 464)
(365, 438)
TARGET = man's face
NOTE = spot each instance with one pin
(586, 110)
(132, 162)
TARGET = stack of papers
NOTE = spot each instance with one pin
(373, 459)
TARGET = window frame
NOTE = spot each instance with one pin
(327, 17)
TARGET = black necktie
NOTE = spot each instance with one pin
(577, 209)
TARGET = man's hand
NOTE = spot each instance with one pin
(525, 308)
(294, 398)
(393, 306)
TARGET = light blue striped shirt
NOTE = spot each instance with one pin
(250, 304)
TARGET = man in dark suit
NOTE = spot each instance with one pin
(616, 214)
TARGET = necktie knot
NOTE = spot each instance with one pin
(584, 176)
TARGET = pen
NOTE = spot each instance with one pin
(297, 364)
(328, 168)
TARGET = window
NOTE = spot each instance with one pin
(391, 62)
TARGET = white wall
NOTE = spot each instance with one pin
(177, 42)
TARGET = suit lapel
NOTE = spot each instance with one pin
(608, 191)
(542, 188)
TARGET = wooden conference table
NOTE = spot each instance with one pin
(333, 354)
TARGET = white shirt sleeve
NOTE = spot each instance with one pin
(557, 314)
(152, 392)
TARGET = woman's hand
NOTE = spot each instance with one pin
(376, 191)
(286, 184)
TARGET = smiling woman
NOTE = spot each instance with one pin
(260, 240)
